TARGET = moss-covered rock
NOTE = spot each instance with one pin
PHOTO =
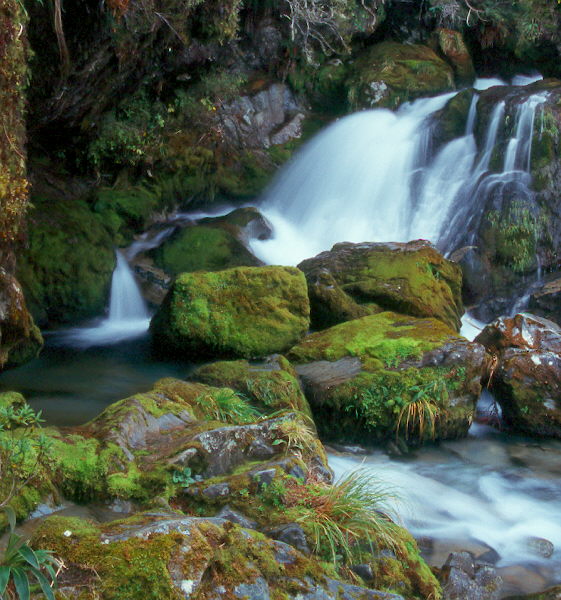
(243, 312)
(66, 269)
(167, 556)
(202, 248)
(270, 385)
(355, 280)
(390, 375)
(388, 74)
(20, 339)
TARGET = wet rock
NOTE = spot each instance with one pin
(527, 377)
(252, 121)
(244, 312)
(546, 300)
(540, 547)
(230, 514)
(291, 534)
(20, 338)
(463, 579)
(388, 74)
(354, 280)
(360, 377)
(553, 593)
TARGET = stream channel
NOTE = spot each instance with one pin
(496, 495)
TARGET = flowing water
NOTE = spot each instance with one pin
(373, 176)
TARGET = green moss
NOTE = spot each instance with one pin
(66, 269)
(247, 312)
(11, 400)
(388, 74)
(269, 386)
(201, 248)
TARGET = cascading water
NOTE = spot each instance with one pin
(128, 314)
(372, 176)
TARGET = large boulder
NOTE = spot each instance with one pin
(453, 47)
(388, 375)
(355, 280)
(388, 74)
(169, 555)
(246, 312)
(527, 378)
(20, 339)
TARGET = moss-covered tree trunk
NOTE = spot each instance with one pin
(19, 338)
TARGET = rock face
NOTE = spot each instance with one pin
(170, 555)
(513, 227)
(463, 579)
(388, 74)
(271, 116)
(20, 339)
(366, 378)
(66, 268)
(451, 44)
(527, 377)
(355, 280)
(244, 312)
(545, 300)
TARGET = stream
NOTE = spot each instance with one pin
(496, 495)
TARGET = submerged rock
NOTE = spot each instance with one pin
(464, 579)
(243, 312)
(388, 74)
(354, 280)
(527, 377)
(387, 374)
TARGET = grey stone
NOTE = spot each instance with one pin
(291, 534)
(229, 514)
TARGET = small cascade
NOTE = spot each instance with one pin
(128, 314)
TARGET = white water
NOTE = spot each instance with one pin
(474, 491)
(372, 176)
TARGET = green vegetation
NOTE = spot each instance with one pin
(515, 233)
(246, 311)
(19, 563)
(227, 406)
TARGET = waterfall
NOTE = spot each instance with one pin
(128, 316)
(126, 302)
(373, 176)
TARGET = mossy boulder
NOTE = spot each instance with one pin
(526, 379)
(165, 556)
(213, 244)
(367, 379)
(246, 312)
(388, 74)
(271, 385)
(66, 268)
(354, 280)
(20, 339)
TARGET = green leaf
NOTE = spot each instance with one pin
(277, 442)
(22, 583)
(43, 582)
(11, 514)
(29, 556)
(4, 578)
